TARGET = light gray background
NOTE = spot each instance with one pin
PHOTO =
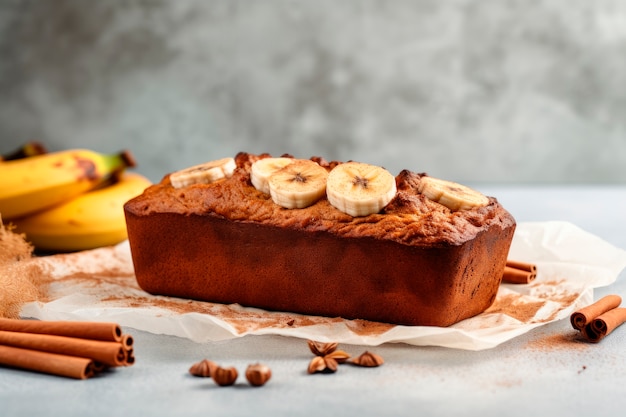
(469, 90)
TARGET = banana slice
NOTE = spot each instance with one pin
(450, 194)
(360, 189)
(298, 184)
(204, 173)
(261, 170)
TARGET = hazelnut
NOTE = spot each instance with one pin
(224, 376)
(258, 374)
(204, 368)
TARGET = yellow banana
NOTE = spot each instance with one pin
(31, 148)
(91, 220)
(35, 183)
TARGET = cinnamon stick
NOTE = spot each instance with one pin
(127, 344)
(603, 325)
(127, 341)
(583, 317)
(108, 353)
(524, 266)
(513, 275)
(46, 362)
(111, 332)
(517, 272)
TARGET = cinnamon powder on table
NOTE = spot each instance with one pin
(568, 340)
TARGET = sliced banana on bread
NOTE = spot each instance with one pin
(205, 173)
(360, 189)
(263, 169)
(451, 194)
(298, 184)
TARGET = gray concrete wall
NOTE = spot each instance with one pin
(470, 90)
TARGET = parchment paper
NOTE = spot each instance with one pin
(99, 285)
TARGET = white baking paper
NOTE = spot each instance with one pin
(99, 285)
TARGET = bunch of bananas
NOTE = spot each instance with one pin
(69, 200)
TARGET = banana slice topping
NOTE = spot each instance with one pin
(298, 184)
(262, 170)
(450, 194)
(204, 173)
(360, 189)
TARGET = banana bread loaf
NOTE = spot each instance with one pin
(432, 255)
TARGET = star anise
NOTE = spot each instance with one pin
(327, 357)
(368, 359)
(320, 348)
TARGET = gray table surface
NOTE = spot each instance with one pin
(526, 375)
